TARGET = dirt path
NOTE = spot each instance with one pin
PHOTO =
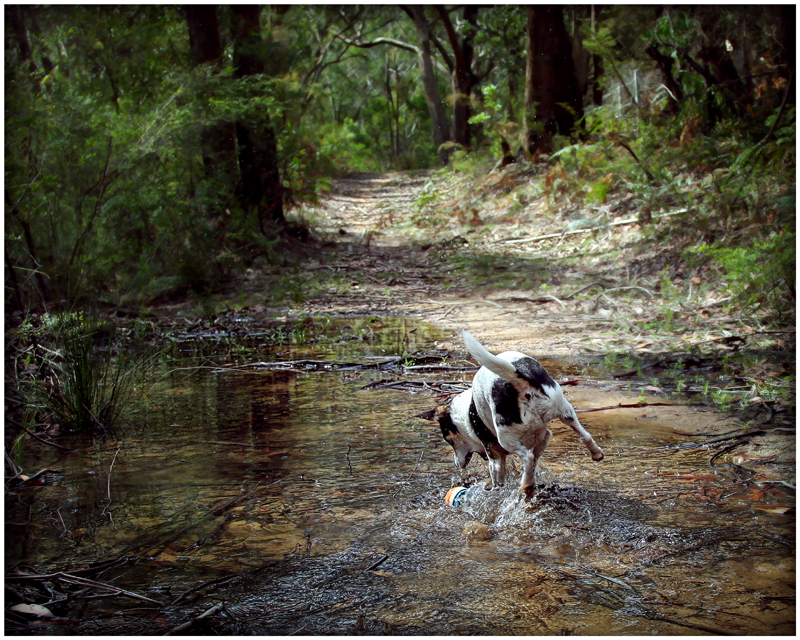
(393, 267)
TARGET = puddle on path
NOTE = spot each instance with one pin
(326, 504)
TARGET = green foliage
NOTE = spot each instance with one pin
(763, 274)
(349, 145)
(83, 389)
(107, 146)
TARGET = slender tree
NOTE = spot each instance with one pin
(463, 78)
(429, 82)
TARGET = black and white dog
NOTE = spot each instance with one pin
(507, 410)
(463, 430)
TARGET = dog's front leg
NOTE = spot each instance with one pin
(497, 468)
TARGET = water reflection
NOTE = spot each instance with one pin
(332, 496)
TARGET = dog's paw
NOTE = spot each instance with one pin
(598, 455)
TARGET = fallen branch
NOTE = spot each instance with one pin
(590, 229)
(582, 289)
(438, 367)
(539, 300)
(217, 608)
(108, 485)
(72, 578)
(202, 585)
(638, 405)
(347, 455)
(24, 479)
(443, 387)
(692, 625)
(377, 563)
(47, 442)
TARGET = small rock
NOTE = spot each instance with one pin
(475, 530)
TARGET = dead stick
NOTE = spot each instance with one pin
(66, 577)
(347, 455)
(640, 404)
(203, 585)
(41, 472)
(108, 484)
(209, 612)
(377, 563)
(692, 625)
(45, 441)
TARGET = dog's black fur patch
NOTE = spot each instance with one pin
(479, 426)
(447, 425)
(506, 402)
(532, 372)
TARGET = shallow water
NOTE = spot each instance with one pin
(325, 502)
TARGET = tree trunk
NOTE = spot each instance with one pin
(550, 80)
(258, 147)
(14, 18)
(203, 34)
(218, 140)
(664, 64)
(429, 82)
(463, 77)
(41, 278)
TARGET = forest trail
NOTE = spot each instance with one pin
(367, 222)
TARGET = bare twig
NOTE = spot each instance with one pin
(692, 625)
(299, 630)
(217, 608)
(72, 578)
(589, 229)
(537, 300)
(647, 291)
(38, 474)
(582, 289)
(203, 585)
(638, 405)
(47, 442)
(377, 563)
(108, 484)
(347, 455)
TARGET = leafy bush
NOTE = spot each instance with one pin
(84, 389)
(762, 275)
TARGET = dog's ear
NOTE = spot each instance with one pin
(427, 415)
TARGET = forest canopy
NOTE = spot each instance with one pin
(148, 144)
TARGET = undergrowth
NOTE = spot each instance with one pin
(73, 371)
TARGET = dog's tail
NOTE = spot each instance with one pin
(501, 367)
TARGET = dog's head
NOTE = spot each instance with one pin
(462, 448)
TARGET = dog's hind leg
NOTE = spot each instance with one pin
(538, 450)
(527, 484)
(586, 438)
